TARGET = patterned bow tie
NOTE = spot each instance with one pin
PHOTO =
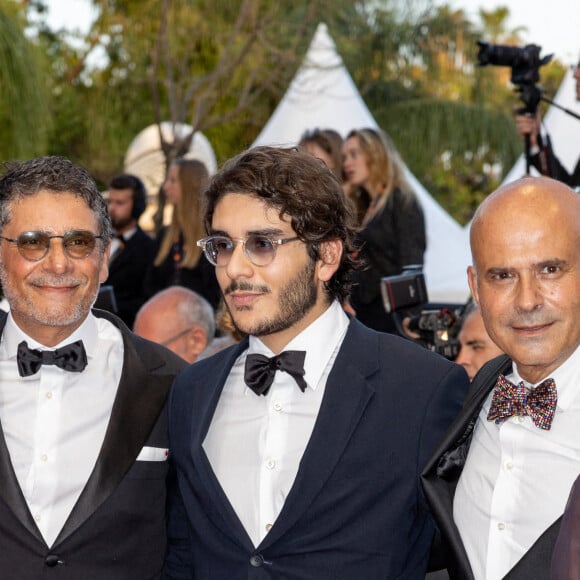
(260, 370)
(509, 399)
(71, 357)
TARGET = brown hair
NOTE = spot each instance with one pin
(386, 170)
(186, 220)
(330, 142)
(300, 188)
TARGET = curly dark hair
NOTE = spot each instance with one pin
(301, 188)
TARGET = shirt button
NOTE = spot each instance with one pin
(37, 518)
(509, 465)
(257, 561)
(277, 406)
(43, 457)
(270, 464)
(501, 526)
(520, 420)
(49, 395)
(268, 527)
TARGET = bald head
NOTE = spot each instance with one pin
(179, 319)
(537, 200)
(525, 243)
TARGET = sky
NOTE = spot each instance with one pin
(552, 24)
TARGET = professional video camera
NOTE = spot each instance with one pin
(436, 325)
(525, 64)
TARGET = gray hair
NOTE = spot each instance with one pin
(54, 175)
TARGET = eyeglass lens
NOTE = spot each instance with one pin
(259, 249)
(35, 245)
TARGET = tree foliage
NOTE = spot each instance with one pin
(222, 65)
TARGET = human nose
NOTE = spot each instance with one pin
(56, 258)
(239, 265)
(528, 294)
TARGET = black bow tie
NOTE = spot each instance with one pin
(260, 369)
(71, 357)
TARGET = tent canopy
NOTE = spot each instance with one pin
(323, 94)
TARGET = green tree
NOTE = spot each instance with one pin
(23, 97)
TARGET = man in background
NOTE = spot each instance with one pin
(179, 319)
(476, 347)
(131, 249)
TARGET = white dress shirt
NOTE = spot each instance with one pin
(517, 478)
(116, 242)
(54, 421)
(255, 443)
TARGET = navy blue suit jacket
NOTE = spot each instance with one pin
(356, 509)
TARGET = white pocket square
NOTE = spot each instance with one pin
(153, 454)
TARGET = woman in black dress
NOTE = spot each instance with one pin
(392, 232)
(178, 260)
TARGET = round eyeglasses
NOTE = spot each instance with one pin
(34, 246)
(260, 250)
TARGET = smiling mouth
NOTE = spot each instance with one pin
(535, 329)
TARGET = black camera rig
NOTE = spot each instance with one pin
(432, 325)
(525, 64)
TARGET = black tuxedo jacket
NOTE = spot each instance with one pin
(116, 531)
(356, 510)
(127, 270)
(440, 479)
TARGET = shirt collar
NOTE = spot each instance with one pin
(12, 336)
(129, 234)
(567, 377)
(320, 340)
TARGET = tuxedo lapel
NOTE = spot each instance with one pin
(444, 468)
(224, 515)
(346, 397)
(10, 491)
(140, 398)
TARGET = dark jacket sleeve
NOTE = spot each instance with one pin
(394, 238)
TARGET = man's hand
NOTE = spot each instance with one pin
(528, 125)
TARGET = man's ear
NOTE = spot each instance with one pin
(104, 270)
(472, 281)
(197, 341)
(330, 254)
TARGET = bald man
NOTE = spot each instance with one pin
(475, 345)
(499, 480)
(179, 319)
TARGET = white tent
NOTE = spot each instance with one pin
(563, 129)
(323, 94)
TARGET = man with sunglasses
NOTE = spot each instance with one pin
(298, 451)
(83, 441)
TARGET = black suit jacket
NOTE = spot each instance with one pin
(356, 510)
(116, 531)
(127, 270)
(440, 479)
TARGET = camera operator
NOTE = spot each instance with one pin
(542, 156)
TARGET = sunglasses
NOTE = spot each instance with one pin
(34, 246)
(260, 250)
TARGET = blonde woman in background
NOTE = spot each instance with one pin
(178, 260)
(392, 233)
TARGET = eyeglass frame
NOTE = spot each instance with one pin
(175, 337)
(274, 241)
(68, 235)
